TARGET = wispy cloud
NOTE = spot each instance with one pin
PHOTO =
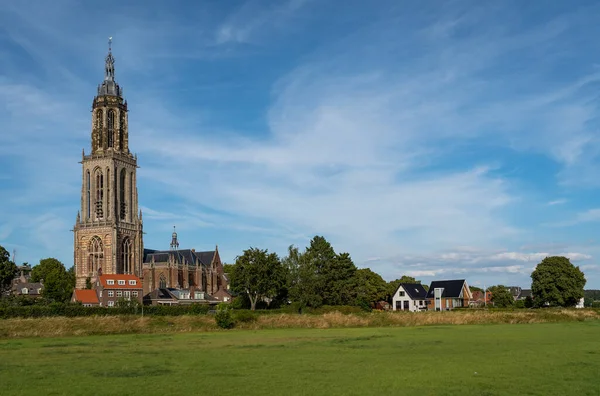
(397, 132)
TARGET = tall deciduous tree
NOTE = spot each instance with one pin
(501, 296)
(369, 286)
(557, 282)
(258, 274)
(302, 279)
(58, 282)
(8, 271)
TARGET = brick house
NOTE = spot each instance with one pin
(88, 298)
(448, 294)
(112, 288)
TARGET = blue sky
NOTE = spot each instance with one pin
(435, 139)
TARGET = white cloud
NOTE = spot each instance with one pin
(557, 202)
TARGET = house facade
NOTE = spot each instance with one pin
(112, 288)
(448, 294)
(87, 297)
(410, 297)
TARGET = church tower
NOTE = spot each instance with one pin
(108, 230)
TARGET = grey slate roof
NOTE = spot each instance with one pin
(452, 288)
(416, 291)
(181, 256)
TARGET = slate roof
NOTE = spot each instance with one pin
(181, 256)
(452, 288)
(525, 293)
(415, 291)
(32, 288)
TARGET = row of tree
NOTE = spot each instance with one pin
(317, 276)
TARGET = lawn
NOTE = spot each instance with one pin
(524, 359)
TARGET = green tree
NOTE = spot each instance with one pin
(258, 274)
(58, 282)
(46, 266)
(8, 271)
(302, 279)
(501, 296)
(227, 268)
(369, 286)
(88, 283)
(557, 282)
(338, 279)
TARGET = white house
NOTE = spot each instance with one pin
(580, 303)
(410, 297)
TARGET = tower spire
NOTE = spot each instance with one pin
(109, 86)
(174, 241)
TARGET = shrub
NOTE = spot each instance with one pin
(223, 317)
(245, 316)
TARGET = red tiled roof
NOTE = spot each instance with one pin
(117, 278)
(86, 296)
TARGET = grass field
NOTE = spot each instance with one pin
(523, 359)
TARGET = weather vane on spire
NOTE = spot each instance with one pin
(110, 44)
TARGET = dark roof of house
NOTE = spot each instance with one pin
(514, 290)
(32, 287)
(159, 294)
(452, 288)
(188, 256)
(525, 293)
(415, 291)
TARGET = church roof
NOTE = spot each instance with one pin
(181, 256)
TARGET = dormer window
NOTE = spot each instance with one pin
(132, 282)
(110, 282)
(25, 290)
(121, 282)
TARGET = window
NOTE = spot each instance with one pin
(401, 294)
(111, 293)
(121, 282)
(25, 290)
(127, 293)
(134, 293)
(126, 259)
(96, 250)
(110, 281)
(163, 282)
(111, 303)
(225, 298)
(122, 195)
(100, 293)
(119, 293)
(111, 127)
(132, 283)
(99, 125)
(122, 130)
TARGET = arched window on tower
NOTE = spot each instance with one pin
(126, 256)
(88, 182)
(131, 197)
(99, 125)
(107, 192)
(122, 130)
(99, 193)
(111, 127)
(163, 282)
(96, 256)
(122, 195)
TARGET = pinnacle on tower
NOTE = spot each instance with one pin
(174, 241)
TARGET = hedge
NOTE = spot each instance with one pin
(72, 310)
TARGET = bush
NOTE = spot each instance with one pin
(245, 316)
(520, 304)
(223, 317)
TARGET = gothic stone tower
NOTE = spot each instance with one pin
(108, 231)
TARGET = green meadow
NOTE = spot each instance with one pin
(523, 359)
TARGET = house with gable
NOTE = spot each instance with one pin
(446, 295)
(410, 297)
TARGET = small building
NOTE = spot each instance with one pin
(448, 294)
(29, 289)
(112, 288)
(87, 297)
(524, 294)
(410, 297)
(580, 303)
(481, 300)
(172, 296)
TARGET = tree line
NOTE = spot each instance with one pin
(311, 278)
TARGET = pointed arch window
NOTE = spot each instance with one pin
(122, 194)
(111, 127)
(108, 192)
(99, 193)
(126, 256)
(162, 282)
(99, 125)
(96, 255)
(88, 185)
(122, 130)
